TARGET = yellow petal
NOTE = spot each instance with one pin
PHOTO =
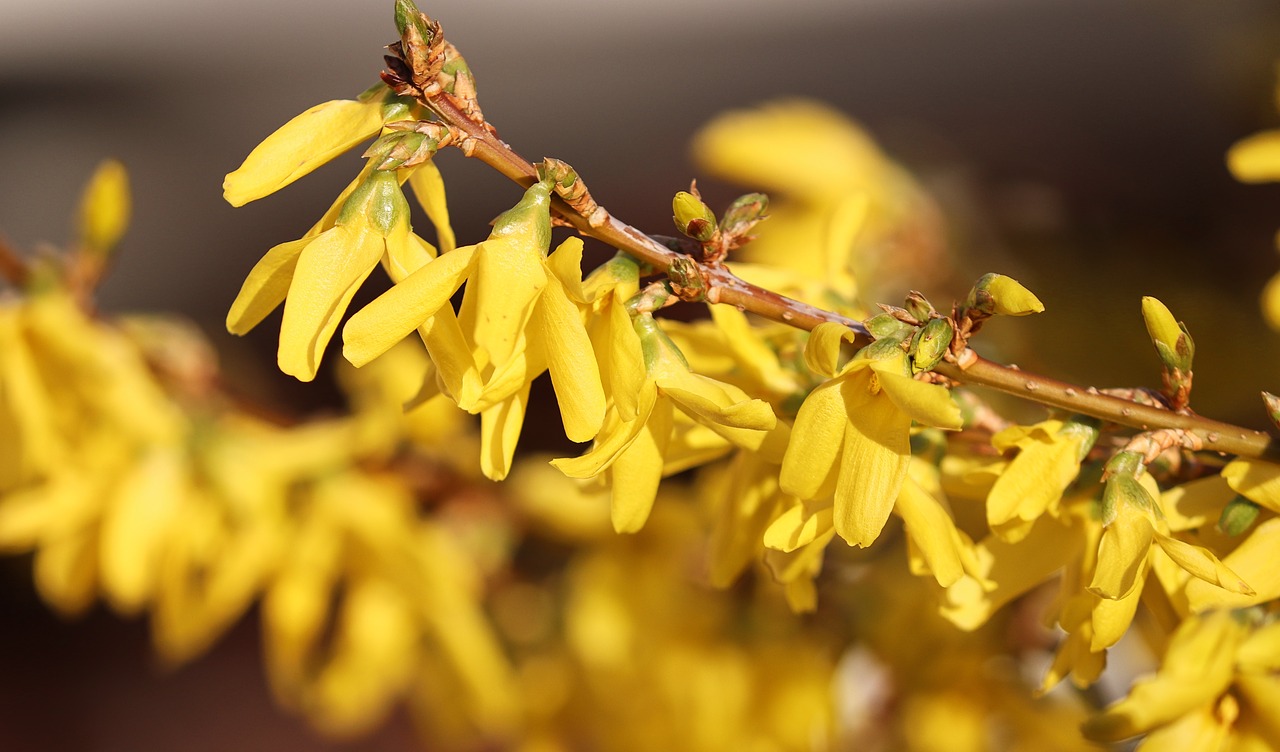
(822, 352)
(1253, 561)
(393, 315)
(428, 187)
(571, 361)
(330, 270)
(620, 358)
(714, 404)
(1122, 554)
(1256, 480)
(872, 468)
(634, 476)
(932, 530)
(499, 432)
(134, 527)
(266, 286)
(1201, 563)
(927, 404)
(1111, 618)
(300, 146)
(508, 278)
(1031, 484)
(614, 438)
(1256, 159)
(798, 526)
(816, 441)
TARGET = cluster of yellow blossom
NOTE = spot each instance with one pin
(764, 605)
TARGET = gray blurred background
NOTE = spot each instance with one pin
(1076, 145)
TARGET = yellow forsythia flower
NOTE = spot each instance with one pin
(632, 454)
(851, 436)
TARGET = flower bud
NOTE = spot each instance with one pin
(1172, 341)
(930, 344)
(692, 217)
(918, 306)
(744, 213)
(105, 208)
(1004, 296)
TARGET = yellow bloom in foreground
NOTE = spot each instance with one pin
(631, 454)
(852, 435)
(516, 321)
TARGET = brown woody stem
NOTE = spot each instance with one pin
(724, 287)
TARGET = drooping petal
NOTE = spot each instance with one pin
(927, 404)
(634, 476)
(816, 441)
(393, 315)
(300, 146)
(330, 269)
(932, 531)
(557, 322)
(615, 436)
(428, 187)
(874, 463)
(266, 286)
(500, 432)
(508, 278)
(713, 403)
(799, 526)
(1254, 562)
(1201, 562)
(618, 353)
(1122, 554)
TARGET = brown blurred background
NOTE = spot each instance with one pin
(1075, 145)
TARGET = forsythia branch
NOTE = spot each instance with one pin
(479, 140)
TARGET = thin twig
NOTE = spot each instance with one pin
(724, 287)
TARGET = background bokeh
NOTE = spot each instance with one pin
(1075, 145)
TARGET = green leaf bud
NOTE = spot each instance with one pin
(887, 326)
(744, 213)
(930, 344)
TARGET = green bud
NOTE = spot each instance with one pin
(918, 306)
(398, 149)
(1172, 340)
(880, 349)
(996, 294)
(692, 217)
(1237, 516)
(406, 15)
(744, 212)
(887, 326)
(1273, 408)
(930, 344)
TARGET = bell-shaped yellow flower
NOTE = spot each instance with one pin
(632, 454)
(516, 321)
(851, 436)
(1048, 460)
